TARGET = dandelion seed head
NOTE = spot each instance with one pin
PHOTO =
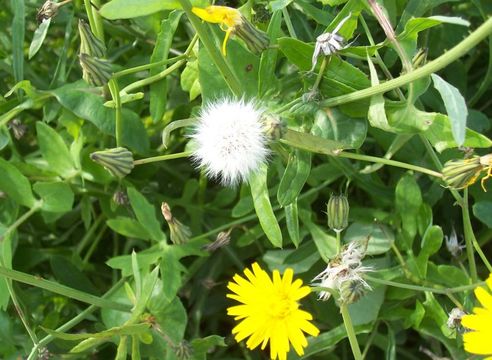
(231, 144)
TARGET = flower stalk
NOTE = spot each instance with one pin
(349, 327)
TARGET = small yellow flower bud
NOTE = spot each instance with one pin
(338, 212)
(118, 161)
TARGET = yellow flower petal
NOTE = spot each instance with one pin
(218, 15)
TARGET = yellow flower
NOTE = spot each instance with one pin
(269, 311)
(459, 174)
(227, 17)
(479, 339)
(233, 22)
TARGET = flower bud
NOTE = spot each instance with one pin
(47, 11)
(352, 290)
(273, 126)
(459, 174)
(89, 43)
(180, 233)
(95, 71)
(255, 39)
(120, 198)
(420, 58)
(338, 211)
(118, 161)
(223, 239)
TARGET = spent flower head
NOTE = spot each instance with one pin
(330, 43)
(269, 311)
(344, 275)
(452, 244)
(454, 319)
(478, 339)
(179, 233)
(231, 143)
(461, 173)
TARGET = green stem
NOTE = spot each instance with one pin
(204, 34)
(339, 242)
(173, 126)
(153, 78)
(148, 66)
(469, 237)
(73, 322)
(431, 67)
(62, 290)
(21, 220)
(319, 145)
(115, 93)
(162, 158)
(486, 262)
(88, 235)
(321, 72)
(349, 327)
(443, 291)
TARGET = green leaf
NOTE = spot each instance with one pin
(379, 237)
(38, 37)
(145, 213)
(351, 132)
(128, 227)
(482, 210)
(190, 81)
(441, 137)
(127, 9)
(15, 185)
(203, 346)
(325, 243)
(68, 274)
(124, 262)
(77, 98)
(18, 32)
(158, 90)
(366, 310)
(263, 207)
(455, 107)
(294, 177)
(267, 82)
(377, 113)
(54, 150)
(292, 222)
(56, 196)
(170, 274)
(431, 243)
(408, 202)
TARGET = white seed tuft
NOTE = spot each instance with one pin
(231, 144)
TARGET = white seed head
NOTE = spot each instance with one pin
(452, 244)
(231, 144)
(454, 318)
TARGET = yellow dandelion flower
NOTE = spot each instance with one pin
(269, 311)
(233, 22)
(478, 340)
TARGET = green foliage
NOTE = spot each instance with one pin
(87, 263)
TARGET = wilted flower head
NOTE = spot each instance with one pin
(223, 239)
(233, 22)
(180, 233)
(344, 275)
(452, 244)
(18, 128)
(454, 319)
(459, 174)
(330, 42)
(231, 143)
(49, 10)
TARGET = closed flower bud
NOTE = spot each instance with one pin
(338, 212)
(223, 239)
(89, 43)
(179, 233)
(95, 71)
(118, 161)
(120, 198)
(352, 290)
(273, 126)
(47, 11)
(183, 350)
(256, 40)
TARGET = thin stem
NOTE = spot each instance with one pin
(486, 262)
(162, 158)
(148, 66)
(88, 235)
(469, 237)
(339, 242)
(349, 327)
(115, 93)
(204, 34)
(73, 322)
(322, 68)
(21, 220)
(62, 290)
(431, 67)
(173, 126)
(436, 290)
(153, 78)
(369, 341)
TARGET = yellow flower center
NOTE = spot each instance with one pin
(281, 306)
